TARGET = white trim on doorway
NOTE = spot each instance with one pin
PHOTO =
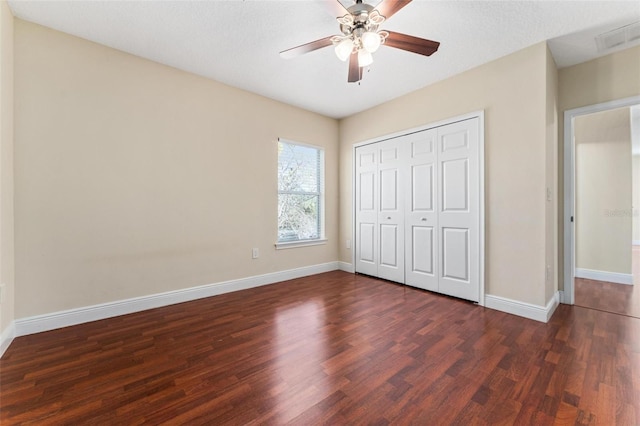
(569, 187)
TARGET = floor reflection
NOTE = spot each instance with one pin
(300, 347)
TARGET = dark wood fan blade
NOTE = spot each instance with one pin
(355, 72)
(412, 44)
(388, 8)
(306, 48)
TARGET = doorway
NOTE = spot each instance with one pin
(601, 264)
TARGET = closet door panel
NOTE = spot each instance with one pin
(366, 243)
(389, 191)
(422, 250)
(391, 175)
(422, 188)
(420, 211)
(455, 253)
(389, 252)
(367, 192)
(455, 185)
(459, 203)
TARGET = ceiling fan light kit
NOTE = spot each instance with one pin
(360, 37)
(371, 41)
(364, 58)
(360, 33)
(344, 48)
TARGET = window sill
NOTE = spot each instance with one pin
(303, 243)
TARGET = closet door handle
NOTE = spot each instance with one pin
(424, 219)
(388, 217)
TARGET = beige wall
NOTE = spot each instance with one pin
(608, 78)
(6, 168)
(512, 91)
(133, 178)
(603, 191)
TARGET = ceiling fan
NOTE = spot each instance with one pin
(360, 36)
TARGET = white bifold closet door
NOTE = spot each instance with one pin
(380, 210)
(421, 232)
(417, 209)
(459, 210)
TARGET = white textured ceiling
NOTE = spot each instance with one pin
(237, 42)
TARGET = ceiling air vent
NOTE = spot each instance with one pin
(620, 38)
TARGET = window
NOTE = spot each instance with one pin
(300, 194)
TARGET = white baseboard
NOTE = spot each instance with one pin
(7, 337)
(612, 277)
(561, 297)
(51, 321)
(522, 309)
(347, 267)
(552, 305)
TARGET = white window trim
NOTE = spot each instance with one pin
(301, 243)
(322, 238)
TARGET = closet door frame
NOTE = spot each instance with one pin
(480, 183)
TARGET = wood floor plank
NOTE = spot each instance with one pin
(334, 348)
(612, 297)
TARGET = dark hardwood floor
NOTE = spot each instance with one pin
(611, 297)
(334, 348)
(608, 297)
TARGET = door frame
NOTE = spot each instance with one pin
(476, 114)
(568, 294)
